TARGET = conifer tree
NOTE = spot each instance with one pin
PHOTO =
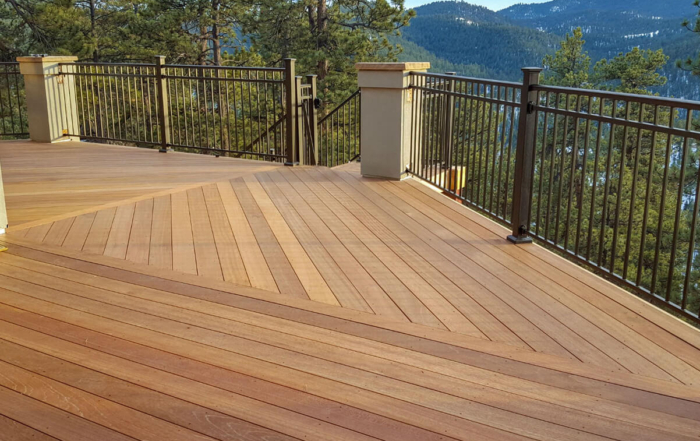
(633, 72)
(692, 63)
(570, 66)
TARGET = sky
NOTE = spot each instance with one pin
(494, 5)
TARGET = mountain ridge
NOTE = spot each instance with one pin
(499, 43)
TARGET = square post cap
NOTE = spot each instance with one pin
(404, 66)
(48, 59)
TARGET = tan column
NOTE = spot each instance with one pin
(386, 117)
(51, 104)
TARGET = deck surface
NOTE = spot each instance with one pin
(253, 301)
(43, 181)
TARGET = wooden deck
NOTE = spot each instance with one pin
(45, 181)
(249, 301)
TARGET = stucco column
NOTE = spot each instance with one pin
(385, 102)
(51, 104)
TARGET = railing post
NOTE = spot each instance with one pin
(524, 156)
(163, 107)
(299, 123)
(313, 118)
(447, 126)
(51, 98)
(291, 108)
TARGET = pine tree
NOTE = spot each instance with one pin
(327, 38)
(633, 72)
(570, 66)
(692, 63)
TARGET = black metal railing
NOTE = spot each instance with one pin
(464, 136)
(610, 180)
(236, 111)
(13, 106)
(615, 185)
(339, 133)
(113, 102)
(233, 111)
(244, 112)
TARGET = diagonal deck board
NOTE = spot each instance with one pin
(255, 265)
(337, 281)
(253, 362)
(398, 250)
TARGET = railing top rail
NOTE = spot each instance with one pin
(85, 63)
(345, 101)
(618, 96)
(470, 79)
(9, 63)
(233, 79)
(197, 66)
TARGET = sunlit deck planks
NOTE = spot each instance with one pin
(48, 180)
(344, 264)
(97, 348)
(396, 249)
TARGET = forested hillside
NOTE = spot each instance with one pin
(501, 48)
(651, 8)
(503, 42)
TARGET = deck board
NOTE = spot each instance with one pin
(256, 267)
(270, 302)
(52, 180)
(396, 249)
(161, 244)
(234, 359)
(287, 280)
(337, 282)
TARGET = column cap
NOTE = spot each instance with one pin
(48, 59)
(402, 66)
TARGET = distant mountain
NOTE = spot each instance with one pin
(500, 43)
(461, 10)
(648, 8)
(611, 27)
(465, 34)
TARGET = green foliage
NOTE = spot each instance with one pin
(13, 111)
(327, 38)
(412, 52)
(610, 194)
(501, 49)
(633, 72)
(503, 42)
(692, 63)
(570, 66)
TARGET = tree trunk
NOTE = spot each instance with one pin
(215, 37)
(322, 20)
(93, 32)
(203, 45)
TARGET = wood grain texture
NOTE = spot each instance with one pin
(113, 352)
(45, 181)
(397, 250)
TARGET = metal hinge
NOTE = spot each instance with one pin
(530, 107)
